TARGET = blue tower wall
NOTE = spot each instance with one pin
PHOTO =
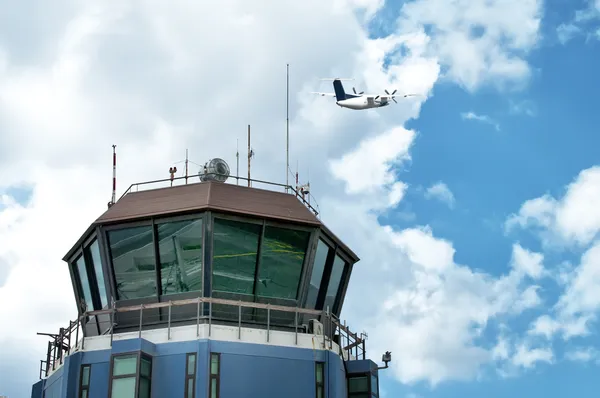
(246, 369)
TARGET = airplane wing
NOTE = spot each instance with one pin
(323, 94)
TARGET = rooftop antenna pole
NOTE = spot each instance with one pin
(287, 110)
(186, 166)
(237, 155)
(114, 182)
(249, 155)
(296, 178)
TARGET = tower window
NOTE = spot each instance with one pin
(130, 376)
(320, 379)
(190, 376)
(215, 375)
(84, 381)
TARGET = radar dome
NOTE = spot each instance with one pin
(215, 170)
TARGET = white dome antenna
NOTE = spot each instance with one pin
(214, 170)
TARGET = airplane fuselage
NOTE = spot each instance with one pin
(362, 102)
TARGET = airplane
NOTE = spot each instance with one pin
(359, 101)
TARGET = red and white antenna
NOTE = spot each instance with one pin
(114, 180)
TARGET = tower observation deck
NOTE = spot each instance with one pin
(208, 289)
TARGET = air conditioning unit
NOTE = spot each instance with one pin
(316, 327)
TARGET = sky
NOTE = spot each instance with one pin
(473, 206)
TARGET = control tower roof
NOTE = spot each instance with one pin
(211, 195)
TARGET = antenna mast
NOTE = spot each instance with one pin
(237, 155)
(114, 182)
(249, 155)
(186, 166)
(287, 112)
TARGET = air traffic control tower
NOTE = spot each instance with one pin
(208, 290)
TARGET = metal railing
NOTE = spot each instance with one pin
(62, 344)
(136, 186)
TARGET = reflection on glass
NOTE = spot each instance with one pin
(180, 248)
(132, 252)
(97, 264)
(235, 245)
(85, 283)
(317, 274)
(334, 282)
(282, 256)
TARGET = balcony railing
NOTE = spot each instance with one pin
(167, 182)
(68, 339)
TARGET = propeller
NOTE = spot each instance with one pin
(353, 89)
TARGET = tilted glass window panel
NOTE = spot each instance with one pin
(180, 248)
(97, 263)
(125, 365)
(235, 245)
(132, 251)
(317, 274)
(85, 283)
(123, 388)
(334, 282)
(282, 257)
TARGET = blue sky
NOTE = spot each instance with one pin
(491, 171)
(472, 207)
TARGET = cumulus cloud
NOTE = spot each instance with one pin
(441, 192)
(106, 72)
(573, 219)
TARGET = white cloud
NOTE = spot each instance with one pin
(367, 168)
(526, 357)
(566, 32)
(583, 354)
(441, 192)
(481, 118)
(580, 24)
(573, 219)
(482, 41)
(107, 72)
(528, 262)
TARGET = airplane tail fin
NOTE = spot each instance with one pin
(340, 94)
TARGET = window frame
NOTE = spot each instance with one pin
(87, 386)
(189, 376)
(137, 375)
(212, 376)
